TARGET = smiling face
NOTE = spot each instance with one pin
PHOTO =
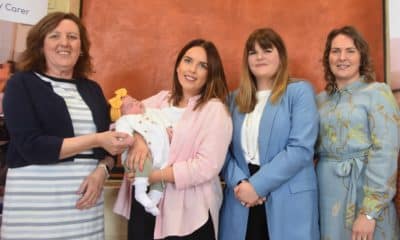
(344, 60)
(61, 49)
(263, 64)
(192, 71)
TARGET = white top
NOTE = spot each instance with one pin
(173, 113)
(250, 129)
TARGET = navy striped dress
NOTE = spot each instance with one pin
(40, 200)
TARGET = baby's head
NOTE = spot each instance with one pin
(131, 106)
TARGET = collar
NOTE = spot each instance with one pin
(350, 88)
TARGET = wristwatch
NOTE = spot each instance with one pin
(369, 217)
(105, 168)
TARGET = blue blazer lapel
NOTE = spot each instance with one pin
(238, 119)
(264, 132)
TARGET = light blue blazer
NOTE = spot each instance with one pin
(287, 134)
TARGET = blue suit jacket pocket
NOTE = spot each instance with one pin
(301, 186)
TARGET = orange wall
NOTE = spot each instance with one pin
(135, 42)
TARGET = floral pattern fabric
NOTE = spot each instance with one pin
(357, 147)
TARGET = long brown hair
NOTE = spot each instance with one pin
(215, 86)
(267, 38)
(33, 59)
(366, 68)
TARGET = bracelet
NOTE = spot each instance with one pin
(105, 168)
(162, 179)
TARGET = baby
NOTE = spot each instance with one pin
(156, 129)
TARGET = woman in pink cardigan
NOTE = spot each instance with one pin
(202, 132)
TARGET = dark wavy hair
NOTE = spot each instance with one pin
(215, 86)
(33, 59)
(366, 68)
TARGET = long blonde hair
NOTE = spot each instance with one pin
(267, 38)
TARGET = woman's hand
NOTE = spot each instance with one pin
(91, 189)
(137, 154)
(247, 195)
(363, 228)
(130, 175)
(114, 142)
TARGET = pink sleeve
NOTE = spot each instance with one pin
(157, 101)
(215, 136)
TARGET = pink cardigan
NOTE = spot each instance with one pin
(197, 153)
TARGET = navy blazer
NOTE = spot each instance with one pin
(38, 119)
(287, 134)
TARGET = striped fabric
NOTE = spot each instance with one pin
(39, 201)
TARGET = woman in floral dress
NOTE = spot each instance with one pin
(358, 144)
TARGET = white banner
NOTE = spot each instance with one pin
(23, 11)
(394, 18)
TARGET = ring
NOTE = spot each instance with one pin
(243, 203)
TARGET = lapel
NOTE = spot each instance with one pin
(264, 132)
(237, 135)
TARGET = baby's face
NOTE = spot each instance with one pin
(131, 106)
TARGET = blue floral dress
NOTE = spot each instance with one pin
(357, 147)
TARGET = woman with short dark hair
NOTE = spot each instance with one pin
(60, 149)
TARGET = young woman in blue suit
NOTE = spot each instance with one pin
(271, 187)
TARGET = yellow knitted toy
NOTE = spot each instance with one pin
(116, 103)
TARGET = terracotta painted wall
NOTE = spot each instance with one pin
(135, 42)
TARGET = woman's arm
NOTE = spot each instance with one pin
(381, 168)
(24, 126)
(137, 154)
(231, 173)
(27, 127)
(162, 175)
(91, 188)
(113, 142)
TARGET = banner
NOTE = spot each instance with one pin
(394, 41)
(394, 18)
(23, 11)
